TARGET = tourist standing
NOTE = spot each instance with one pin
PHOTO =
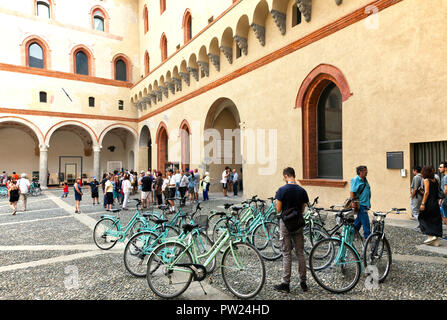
(13, 194)
(77, 187)
(65, 190)
(287, 197)
(108, 192)
(361, 192)
(416, 194)
(172, 189)
(146, 189)
(178, 177)
(105, 178)
(191, 186)
(224, 181)
(24, 186)
(5, 178)
(196, 184)
(127, 189)
(430, 214)
(158, 188)
(235, 182)
(206, 186)
(183, 186)
(94, 190)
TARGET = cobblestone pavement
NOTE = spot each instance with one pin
(43, 249)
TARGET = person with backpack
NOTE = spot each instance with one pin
(361, 193)
(291, 199)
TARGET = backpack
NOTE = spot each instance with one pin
(293, 219)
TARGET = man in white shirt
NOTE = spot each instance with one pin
(171, 186)
(235, 182)
(177, 177)
(224, 181)
(24, 186)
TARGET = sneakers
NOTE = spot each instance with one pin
(283, 287)
(417, 229)
(304, 286)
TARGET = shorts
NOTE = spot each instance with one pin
(224, 186)
(78, 196)
(196, 188)
(109, 198)
(171, 192)
(95, 194)
(144, 195)
(191, 189)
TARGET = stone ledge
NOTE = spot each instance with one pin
(323, 183)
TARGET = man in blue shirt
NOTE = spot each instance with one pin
(361, 190)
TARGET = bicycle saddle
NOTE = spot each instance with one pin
(114, 210)
(163, 207)
(236, 208)
(228, 205)
(159, 221)
(189, 227)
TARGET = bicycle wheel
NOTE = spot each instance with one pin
(310, 239)
(137, 227)
(137, 250)
(166, 279)
(105, 234)
(212, 220)
(243, 270)
(203, 245)
(338, 271)
(377, 252)
(218, 229)
(265, 238)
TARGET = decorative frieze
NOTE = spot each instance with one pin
(153, 97)
(171, 87)
(205, 67)
(280, 20)
(305, 7)
(164, 90)
(228, 53)
(159, 95)
(186, 77)
(241, 43)
(215, 60)
(147, 101)
(178, 84)
(259, 33)
(194, 72)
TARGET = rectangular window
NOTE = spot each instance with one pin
(91, 102)
(120, 105)
(296, 18)
(43, 96)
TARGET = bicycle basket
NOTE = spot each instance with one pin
(201, 221)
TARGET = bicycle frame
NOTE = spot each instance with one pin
(123, 231)
(347, 239)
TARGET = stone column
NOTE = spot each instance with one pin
(43, 167)
(96, 162)
(143, 158)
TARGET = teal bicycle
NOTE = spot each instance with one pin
(108, 230)
(142, 244)
(174, 264)
(258, 231)
(3, 192)
(334, 262)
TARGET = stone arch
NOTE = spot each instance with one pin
(145, 148)
(35, 129)
(221, 149)
(329, 72)
(42, 43)
(307, 99)
(114, 126)
(162, 141)
(93, 136)
(185, 134)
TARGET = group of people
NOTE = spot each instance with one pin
(181, 183)
(18, 188)
(428, 201)
(230, 181)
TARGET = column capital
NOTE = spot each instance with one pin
(43, 148)
(97, 148)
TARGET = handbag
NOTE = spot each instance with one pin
(356, 201)
(293, 219)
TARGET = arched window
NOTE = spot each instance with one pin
(43, 9)
(81, 63)
(146, 19)
(329, 127)
(146, 63)
(162, 6)
(98, 20)
(35, 56)
(164, 47)
(187, 26)
(120, 70)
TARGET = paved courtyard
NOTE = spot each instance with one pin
(48, 252)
